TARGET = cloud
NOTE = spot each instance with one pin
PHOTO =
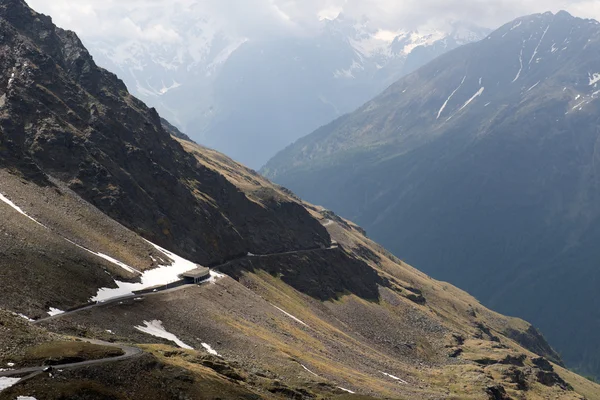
(163, 20)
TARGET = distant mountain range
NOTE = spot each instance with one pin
(252, 97)
(482, 168)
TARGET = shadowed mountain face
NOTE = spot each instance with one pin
(482, 168)
(63, 116)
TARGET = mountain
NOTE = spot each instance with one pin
(251, 97)
(107, 212)
(481, 168)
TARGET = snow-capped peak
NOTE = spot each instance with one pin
(373, 42)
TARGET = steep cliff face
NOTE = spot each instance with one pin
(64, 117)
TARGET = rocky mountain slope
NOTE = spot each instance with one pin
(301, 304)
(222, 88)
(481, 169)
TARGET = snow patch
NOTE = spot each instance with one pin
(107, 258)
(290, 315)
(117, 262)
(578, 105)
(55, 311)
(515, 26)
(449, 97)
(479, 93)
(418, 40)
(5, 382)
(538, 46)
(214, 277)
(17, 208)
(162, 275)
(26, 398)
(533, 87)
(594, 78)
(348, 73)
(394, 377)
(155, 328)
(26, 317)
(309, 371)
(166, 89)
(210, 350)
(346, 390)
(224, 55)
(521, 67)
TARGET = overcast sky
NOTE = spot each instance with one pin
(158, 20)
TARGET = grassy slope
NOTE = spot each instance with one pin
(347, 342)
(408, 332)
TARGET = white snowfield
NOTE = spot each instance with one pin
(533, 87)
(538, 46)
(210, 350)
(318, 376)
(55, 311)
(26, 398)
(449, 97)
(117, 262)
(290, 315)
(107, 258)
(155, 328)
(594, 78)
(521, 67)
(162, 275)
(5, 383)
(309, 371)
(476, 95)
(394, 378)
(25, 317)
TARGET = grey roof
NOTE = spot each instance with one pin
(196, 273)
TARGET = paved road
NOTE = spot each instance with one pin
(111, 301)
(166, 290)
(129, 352)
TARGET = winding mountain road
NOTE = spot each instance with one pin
(129, 352)
(166, 289)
